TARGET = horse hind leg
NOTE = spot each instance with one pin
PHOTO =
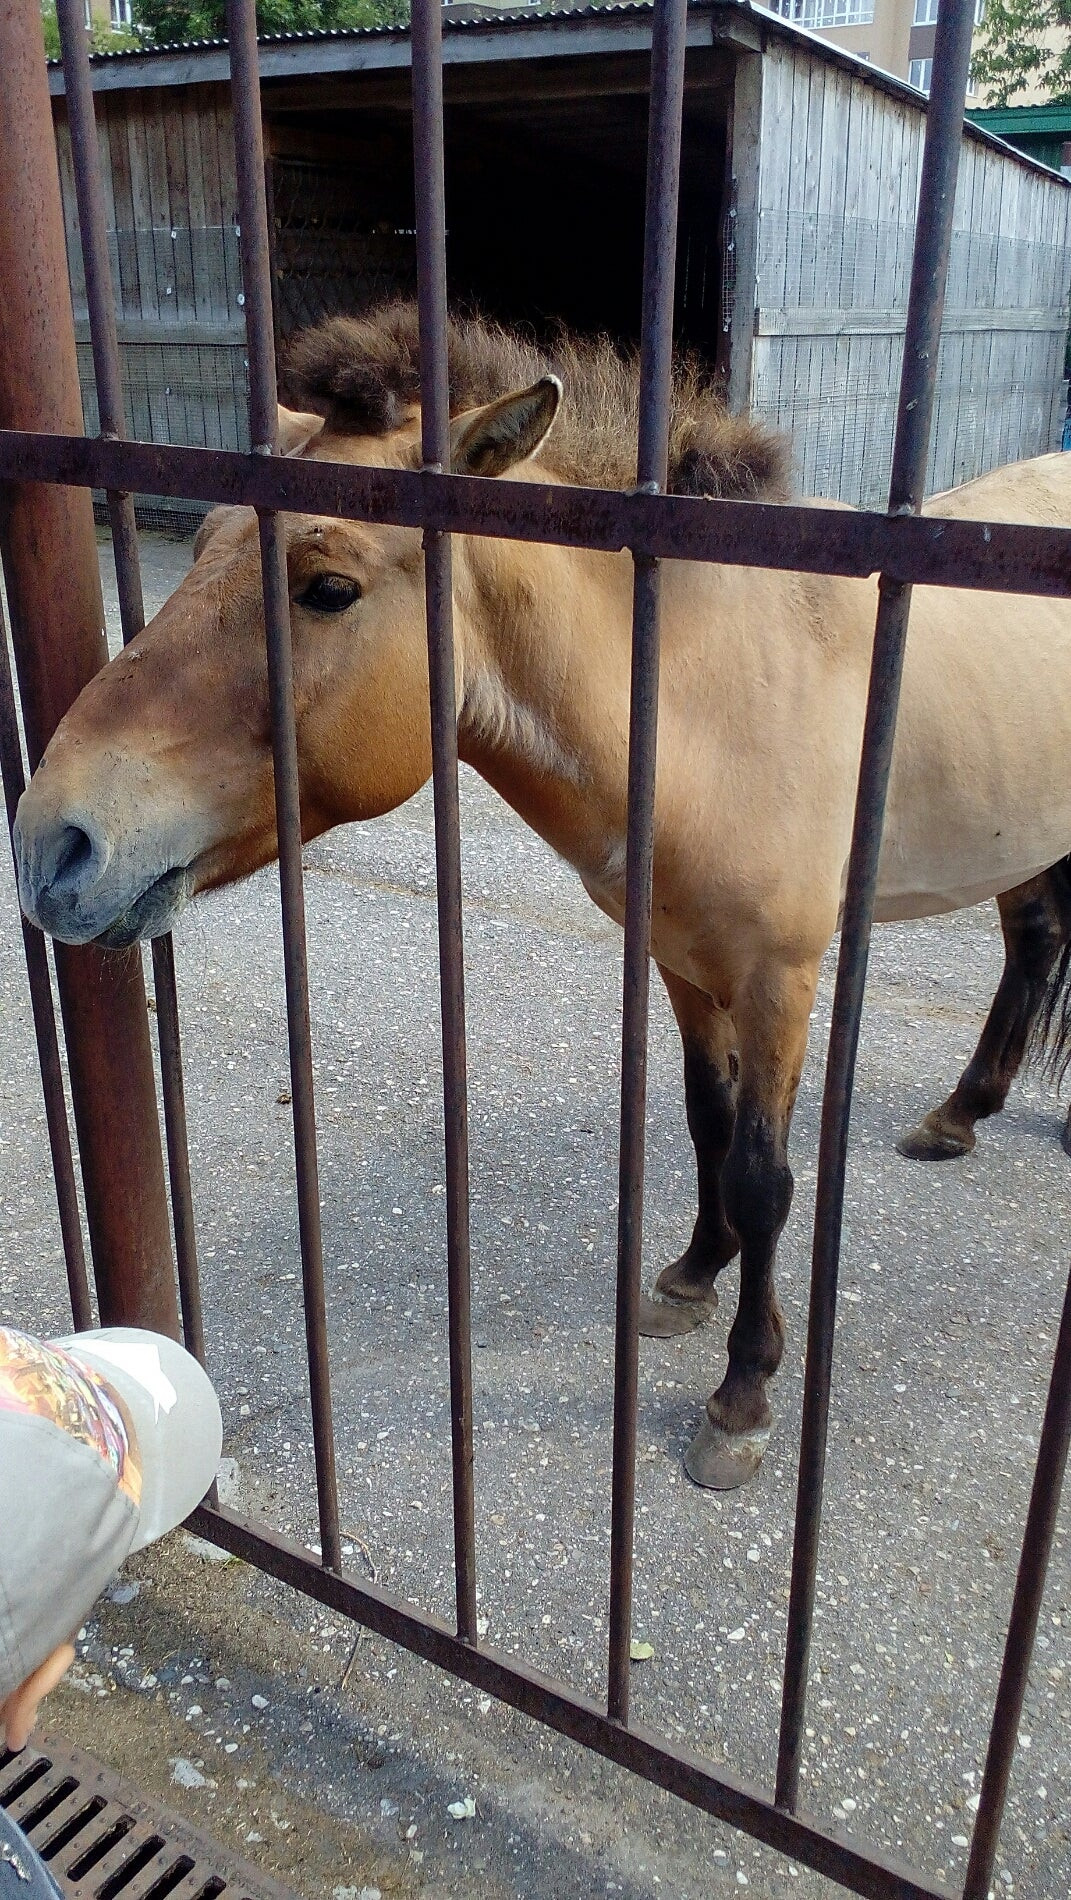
(1036, 922)
(686, 1287)
(757, 1185)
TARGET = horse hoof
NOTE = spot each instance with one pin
(668, 1319)
(675, 1282)
(930, 1143)
(722, 1461)
(1065, 1136)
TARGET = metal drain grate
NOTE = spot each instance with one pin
(103, 1841)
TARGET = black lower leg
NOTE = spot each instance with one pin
(757, 1183)
(1035, 925)
(710, 1096)
(727, 1450)
(686, 1288)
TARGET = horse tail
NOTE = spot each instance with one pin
(1050, 1036)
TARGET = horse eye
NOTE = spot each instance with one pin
(330, 594)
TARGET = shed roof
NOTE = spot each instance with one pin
(476, 34)
(1008, 120)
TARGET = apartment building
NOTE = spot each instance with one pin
(896, 35)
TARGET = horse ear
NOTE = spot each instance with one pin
(296, 430)
(216, 519)
(490, 440)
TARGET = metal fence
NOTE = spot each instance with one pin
(904, 547)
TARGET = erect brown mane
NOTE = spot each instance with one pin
(362, 374)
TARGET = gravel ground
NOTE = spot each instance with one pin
(952, 1281)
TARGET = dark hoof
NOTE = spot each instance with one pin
(668, 1319)
(930, 1142)
(679, 1282)
(1065, 1136)
(722, 1462)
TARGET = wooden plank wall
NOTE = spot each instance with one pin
(171, 193)
(839, 175)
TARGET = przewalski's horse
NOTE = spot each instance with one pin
(1029, 1015)
(158, 783)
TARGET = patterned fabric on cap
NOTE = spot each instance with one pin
(43, 1381)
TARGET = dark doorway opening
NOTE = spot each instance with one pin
(545, 207)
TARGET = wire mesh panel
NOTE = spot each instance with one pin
(418, 490)
(330, 255)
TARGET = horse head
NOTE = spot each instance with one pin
(158, 782)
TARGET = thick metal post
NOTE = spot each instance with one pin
(57, 619)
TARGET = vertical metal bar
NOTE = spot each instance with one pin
(178, 1150)
(93, 229)
(44, 1023)
(1026, 1608)
(940, 164)
(656, 381)
(263, 418)
(429, 172)
(50, 563)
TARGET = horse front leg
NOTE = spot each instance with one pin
(1036, 921)
(686, 1286)
(772, 1021)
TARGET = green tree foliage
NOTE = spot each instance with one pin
(101, 38)
(167, 22)
(1023, 44)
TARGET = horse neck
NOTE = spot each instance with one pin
(545, 683)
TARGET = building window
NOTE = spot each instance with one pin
(122, 15)
(926, 12)
(89, 14)
(824, 13)
(919, 74)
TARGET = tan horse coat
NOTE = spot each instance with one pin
(158, 782)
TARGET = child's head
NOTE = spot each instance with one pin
(107, 1440)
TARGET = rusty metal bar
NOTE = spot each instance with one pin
(93, 230)
(438, 586)
(994, 556)
(44, 1023)
(263, 419)
(1026, 1608)
(863, 1870)
(57, 617)
(656, 376)
(940, 165)
(178, 1151)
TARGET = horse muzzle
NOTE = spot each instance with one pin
(75, 885)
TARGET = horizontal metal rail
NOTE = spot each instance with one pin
(727, 1797)
(996, 557)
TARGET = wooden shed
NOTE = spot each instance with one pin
(800, 177)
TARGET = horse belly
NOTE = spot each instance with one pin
(980, 798)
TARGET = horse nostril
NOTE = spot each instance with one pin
(73, 854)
